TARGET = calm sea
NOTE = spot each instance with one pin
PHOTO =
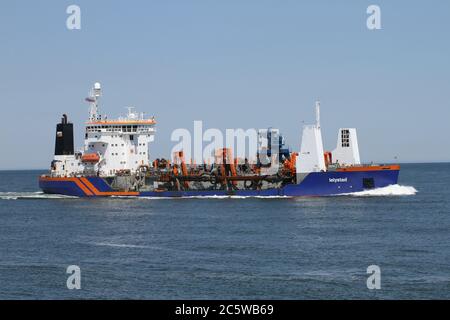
(252, 248)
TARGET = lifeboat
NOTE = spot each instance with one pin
(90, 158)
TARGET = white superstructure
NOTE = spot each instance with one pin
(347, 150)
(311, 156)
(110, 146)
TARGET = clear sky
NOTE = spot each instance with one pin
(232, 64)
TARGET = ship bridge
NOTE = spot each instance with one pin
(121, 144)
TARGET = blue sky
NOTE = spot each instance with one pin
(232, 64)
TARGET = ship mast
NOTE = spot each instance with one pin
(93, 100)
(318, 114)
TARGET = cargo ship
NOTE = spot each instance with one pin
(115, 161)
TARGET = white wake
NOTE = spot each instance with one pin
(222, 197)
(392, 190)
(31, 196)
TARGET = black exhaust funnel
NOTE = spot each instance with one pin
(64, 138)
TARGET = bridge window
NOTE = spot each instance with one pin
(345, 138)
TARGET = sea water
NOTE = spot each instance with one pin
(228, 247)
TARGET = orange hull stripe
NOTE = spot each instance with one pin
(82, 187)
(370, 168)
(87, 187)
(90, 186)
(99, 193)
(75, 180)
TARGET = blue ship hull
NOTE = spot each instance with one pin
(314, 184)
